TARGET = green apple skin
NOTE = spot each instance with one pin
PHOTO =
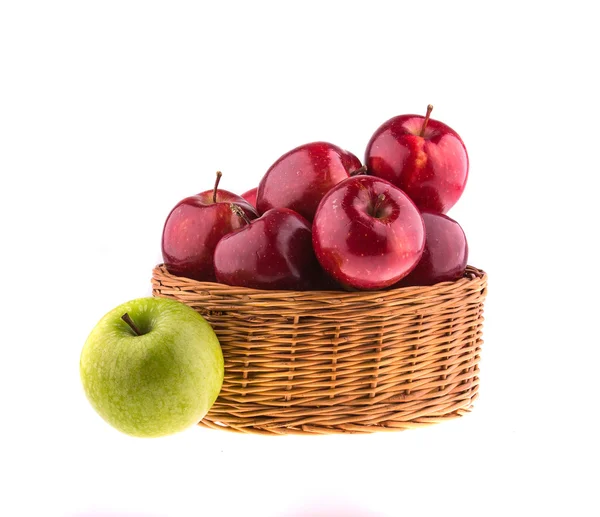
(160, 382)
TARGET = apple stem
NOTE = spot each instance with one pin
(357, 172)
(219, 174)
(239, 212)
(429, 110)
(380, 199)
(127, 319)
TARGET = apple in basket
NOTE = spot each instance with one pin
(194, 227)
(424, 157)
(445, 255)
(367, 233)
(250, 196)
(271, 252)
(300, 178)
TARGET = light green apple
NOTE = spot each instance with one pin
(152, 367)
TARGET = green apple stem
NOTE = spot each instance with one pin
(424, 126)
(219, 174)
(239, 212)
(358, 172)
(127, 319)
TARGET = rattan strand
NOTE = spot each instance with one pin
(340, 362)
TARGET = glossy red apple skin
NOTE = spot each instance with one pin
(250, 196)
(445, 255)
(272, 252)
(194, 227)
(364, 241)
(432, 169)
(300, 178)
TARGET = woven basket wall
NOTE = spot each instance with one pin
(331, 362)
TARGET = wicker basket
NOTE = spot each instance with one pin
(340, 362)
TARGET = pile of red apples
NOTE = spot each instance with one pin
(321, 220)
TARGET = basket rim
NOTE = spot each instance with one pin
(472, 274)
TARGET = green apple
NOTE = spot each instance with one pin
(152, 367)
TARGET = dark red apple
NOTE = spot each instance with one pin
(300, 178)
(367, 233)
(250, 196)
(445, 255)
(272, 252)
(424, 157)
(194, 227)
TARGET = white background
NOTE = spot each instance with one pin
(111, 112)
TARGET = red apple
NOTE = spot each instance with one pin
(250, 196)
(424, 157)
(300, 178)
(445, 255)
(272, 252)
(194, 227)
(367, 233)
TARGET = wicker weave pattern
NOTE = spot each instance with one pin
(327, 362)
